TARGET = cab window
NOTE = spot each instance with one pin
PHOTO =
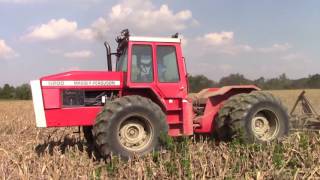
(167, 64)
(141, 63)
(122, 62)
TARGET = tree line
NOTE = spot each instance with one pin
(199, 82)
(22, 92)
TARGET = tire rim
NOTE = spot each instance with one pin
(135, 134)
(265, 125)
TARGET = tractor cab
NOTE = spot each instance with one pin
(153, 63)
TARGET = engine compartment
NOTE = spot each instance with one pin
(79, 98)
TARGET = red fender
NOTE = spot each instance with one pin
(213, 99)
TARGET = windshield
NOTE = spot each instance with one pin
(122, 62)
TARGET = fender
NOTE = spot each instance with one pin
(213, 99)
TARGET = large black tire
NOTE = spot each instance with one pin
(87, 132)
(127, 126)
(254, 117)
(91, 147)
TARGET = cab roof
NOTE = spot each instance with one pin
(154, 39)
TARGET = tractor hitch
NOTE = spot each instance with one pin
(307, 119)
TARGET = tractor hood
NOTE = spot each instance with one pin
(52, 109)
(84, 79)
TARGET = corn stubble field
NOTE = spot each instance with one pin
(30, 153)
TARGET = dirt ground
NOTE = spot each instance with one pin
(27, 152)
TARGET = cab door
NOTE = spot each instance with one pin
(172, 83)
(170, 71)
(159, 67)
(141, 65)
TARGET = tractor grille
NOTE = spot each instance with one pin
(73, 98)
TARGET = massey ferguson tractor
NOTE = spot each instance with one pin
(144, 94)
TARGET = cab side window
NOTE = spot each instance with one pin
(122, 62)
(167, 64)
(141, 63)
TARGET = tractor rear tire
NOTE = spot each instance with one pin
(130, 125)
(254, 117)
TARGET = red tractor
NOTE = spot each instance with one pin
(125, 109)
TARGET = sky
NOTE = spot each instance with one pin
(252, 37)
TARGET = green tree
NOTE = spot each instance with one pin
(23, 92)
(314, 81)
(234, 79)
(7, 92)
(260, 82)
(199, 82)
(282, 82)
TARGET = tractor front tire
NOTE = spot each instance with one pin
(254, 117)
(129, 125)
(87, 132)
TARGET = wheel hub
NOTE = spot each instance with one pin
(134, 135)
(265, 125)
(261, 125)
